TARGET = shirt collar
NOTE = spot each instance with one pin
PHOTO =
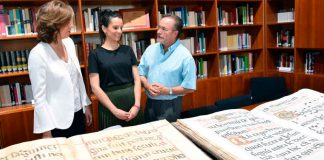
(171, 48)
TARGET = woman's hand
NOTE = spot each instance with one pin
(47, 134)
(120, 114)
(133, 112)
(88, 116)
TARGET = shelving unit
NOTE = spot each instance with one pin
(279, 45)
(237, 82)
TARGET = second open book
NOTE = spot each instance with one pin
(289, 128)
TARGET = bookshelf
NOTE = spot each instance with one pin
(260, 25)
(239, 22)
(279, 45)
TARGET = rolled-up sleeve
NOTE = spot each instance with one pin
(142, 67)
(189, 74)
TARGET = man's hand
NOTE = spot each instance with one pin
(153, 90)
(162, 89)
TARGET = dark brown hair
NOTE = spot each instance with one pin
(105, 18)
(50, 17)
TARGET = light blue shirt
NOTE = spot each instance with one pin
(172, 68)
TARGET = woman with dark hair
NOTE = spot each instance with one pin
(114, 77)
(54, 71)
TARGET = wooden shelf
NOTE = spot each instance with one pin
(16, 1)
(270, 24)
(239, 26)
(13, 37)
(206, 79)
(204, 54)
(275, 70)
(13, 74)
(281, 48)
(240, 50)
(199, 27)
(239, 0)
(16, 109)
(310, 75)
(242, 73)
(29, 36)
(113, 2)
(141, 30)
(125, 31)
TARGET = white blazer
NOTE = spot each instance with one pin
(52, 87)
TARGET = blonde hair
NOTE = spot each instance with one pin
(50, 17)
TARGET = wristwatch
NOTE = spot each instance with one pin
(170, 90)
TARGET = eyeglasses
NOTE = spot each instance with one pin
(163, 28)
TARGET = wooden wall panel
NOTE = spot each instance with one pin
(314, 82)
(309, 24)
(207, 92)
(188, 102)
(16, 128)
(225, 87)
(236, 85)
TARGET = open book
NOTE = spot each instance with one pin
(155, 140)
(288, 128)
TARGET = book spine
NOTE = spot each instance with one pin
(2, 21)
(13, 61)
(12, 94)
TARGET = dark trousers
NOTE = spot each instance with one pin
(77, 127)
(123, 98)
(163, 109)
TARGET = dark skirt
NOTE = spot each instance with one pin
(122, 97)
(77, 127)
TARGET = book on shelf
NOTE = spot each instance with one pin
(13, 61)
(77, 20)
(235, 63)
(196, 44)
(15, 94)
(193, 16)
(285, 62)
(2, 21)
(285, 38)
(235, 15)
(291, 127)
(17, 21)
(202, 68)
(234, 41)
(155, 140)
(135, 18)
(90, 19)
(137, 43)
(286, 15)
(314, 62)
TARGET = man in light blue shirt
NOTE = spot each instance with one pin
(167, 71)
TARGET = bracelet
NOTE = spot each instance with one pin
(138, 107)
